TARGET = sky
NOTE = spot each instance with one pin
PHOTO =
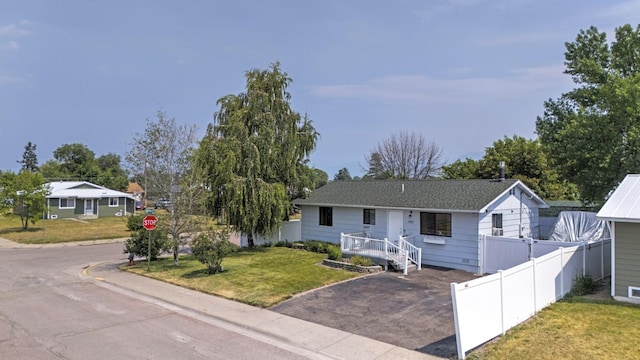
(461, 73)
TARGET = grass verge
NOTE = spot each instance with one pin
(579, 329)
(63, 230)
(261, 277)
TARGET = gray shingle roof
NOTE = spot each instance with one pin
(434, 194)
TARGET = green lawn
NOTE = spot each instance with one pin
(63, 230)
(261, 277)
(571, 330)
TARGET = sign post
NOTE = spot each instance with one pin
(149, 222)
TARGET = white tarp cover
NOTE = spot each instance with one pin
(578, 226)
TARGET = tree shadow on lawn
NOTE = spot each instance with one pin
(20, 229)
(201, 273)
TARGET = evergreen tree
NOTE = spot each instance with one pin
(29, 160)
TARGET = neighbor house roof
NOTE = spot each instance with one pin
(134, 187)
(82, 190)
(433, 194)
(624, 204)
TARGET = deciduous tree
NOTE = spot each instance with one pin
(524, 160)
(252, 155)
(406, 155)
(111, 175)
(592, 133)
(162, 157)
(77, 162)
(25, 194)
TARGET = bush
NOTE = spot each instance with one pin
(210, 248)
(361, 261)
(138, 243)
(281, 243)
(583, 285)
(334, 252)
(316, 246)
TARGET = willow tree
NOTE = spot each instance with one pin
(253, 157)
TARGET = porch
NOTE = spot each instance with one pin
(400, 255)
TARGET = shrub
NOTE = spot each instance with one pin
(316, 246)
(284, 243)
(334, 252)
(362, 261)
(583, 285)
(210, 248)
(138, 243)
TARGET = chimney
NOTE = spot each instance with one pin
(501, 167)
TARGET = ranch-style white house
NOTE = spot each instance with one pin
(443, 218)
(622, 210)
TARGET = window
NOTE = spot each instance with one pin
(113, 201)
(369, 216)
(326, 216)
(67, 203)
(633, 292)
(496, 225)
(438, 224)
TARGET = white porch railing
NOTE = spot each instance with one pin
(361, 244)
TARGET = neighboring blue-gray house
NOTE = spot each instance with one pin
(444, 218)
(622, 210)
(70, 199)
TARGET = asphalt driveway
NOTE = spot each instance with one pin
(412, 311)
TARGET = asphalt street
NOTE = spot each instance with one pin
(71, 302)
(48, 311)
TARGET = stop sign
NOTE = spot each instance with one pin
(149, 222)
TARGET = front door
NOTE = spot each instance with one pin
(394, 226)
(88, 206)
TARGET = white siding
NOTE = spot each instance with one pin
(345, 220)
(515, 213)
(460, 251)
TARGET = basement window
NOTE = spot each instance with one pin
(633, 292)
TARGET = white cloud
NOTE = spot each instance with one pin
(12, 79)
(15, 30)
(424, 89)
(623, 10)
(12, 31)
(522, 38)
(11, 45)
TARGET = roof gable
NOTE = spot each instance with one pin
(624, 203)
(82, 190)
(433, 194)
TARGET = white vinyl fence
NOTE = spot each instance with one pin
(289, 232)
(487, 307)
(499, 253)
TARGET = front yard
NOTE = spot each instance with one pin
(261, 277)
(63, 230)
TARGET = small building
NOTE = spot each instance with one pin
(622, 210)
(135, 190)
(72, 199)
(445, 218)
